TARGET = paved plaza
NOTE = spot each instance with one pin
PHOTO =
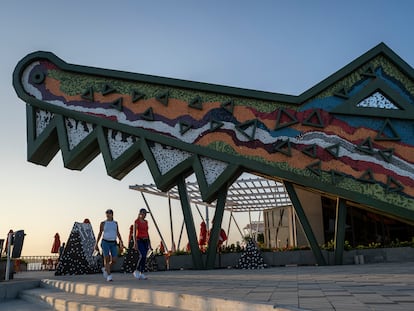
(386, 286)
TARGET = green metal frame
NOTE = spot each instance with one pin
(77, 158)
(340, 226)
(305, 223)
(215, 231)
(349, 107)
(189, 224)
(42, 148)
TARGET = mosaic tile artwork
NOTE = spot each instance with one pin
(118, 143)
(43, 119)
(354, 124)
(167, 158)
(377, 100)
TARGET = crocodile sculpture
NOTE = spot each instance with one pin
(350, 136)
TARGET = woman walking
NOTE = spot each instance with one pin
(110, 231)
(141, 243)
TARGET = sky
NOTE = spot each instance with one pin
(278, 46)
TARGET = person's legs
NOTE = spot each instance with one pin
(137, 273)
(113, 250)
(143, 250)
(105, 254)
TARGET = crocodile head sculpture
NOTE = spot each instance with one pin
(351, 135)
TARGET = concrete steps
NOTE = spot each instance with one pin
(22, 305)
(49, 298)
(79, 296)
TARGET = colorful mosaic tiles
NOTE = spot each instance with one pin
(351, 135)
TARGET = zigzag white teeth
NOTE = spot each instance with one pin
(43, 119)
(167, 157)
(77, 131)
(212, 169)
(119, 142)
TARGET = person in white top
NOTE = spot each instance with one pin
(110, 231)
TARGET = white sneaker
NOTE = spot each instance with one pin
(142, 276)
(105, 274)
(109, 278)
(136, 274)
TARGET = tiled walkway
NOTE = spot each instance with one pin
(354, 287)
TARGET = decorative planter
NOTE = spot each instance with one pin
(180, 262)
(19, 266)
(269, 258)
(161, 262)
(374, 255)
(348, 257)
(300, 257)
(118, 264)
(3, 265)
(395, 254)
(399, 254)
(227, 260)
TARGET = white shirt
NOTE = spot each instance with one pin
(110, 230)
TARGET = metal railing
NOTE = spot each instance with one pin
(38, 263)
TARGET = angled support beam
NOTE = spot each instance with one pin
(198, 210)
(340, 223)
(237, 225)
(189, 224)
(173, 249)
(305, 224)
(228, 228)
(181, 234)
(155, 222)
(215, 231)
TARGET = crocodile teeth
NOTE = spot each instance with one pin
(43, 119)
(168, 157)
(119, 142)
(77, 131)
(212, 169)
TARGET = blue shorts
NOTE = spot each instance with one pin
(109, 248)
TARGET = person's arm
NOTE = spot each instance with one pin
(101, 228)
(149, 240)
(134, 236)
(121, 244)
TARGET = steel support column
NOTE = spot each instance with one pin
(215, 230)
(340, 223)
(305, 223)
(189, 224)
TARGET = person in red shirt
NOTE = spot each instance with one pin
(141, 243)
(202, 242)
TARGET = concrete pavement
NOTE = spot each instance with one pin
(386, 286)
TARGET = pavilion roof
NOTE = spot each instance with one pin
(245, 194)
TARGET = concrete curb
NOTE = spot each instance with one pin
(11, 289)
(39, 296)
(61, 301)
(160, 298)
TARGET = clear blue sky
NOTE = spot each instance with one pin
(279, 46)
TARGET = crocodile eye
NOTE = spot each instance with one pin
(38, 77)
